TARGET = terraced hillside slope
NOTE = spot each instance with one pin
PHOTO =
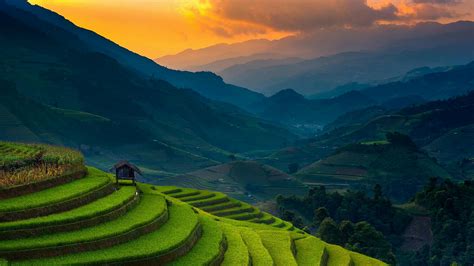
(249, 181)
(164, 127)
(394, 165)
(90, 220)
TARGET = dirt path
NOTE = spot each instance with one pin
(418, 234)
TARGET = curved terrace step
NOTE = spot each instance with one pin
(171, 241)
(280, 246)
(207, 202)
(359, 259)
(93, 186)
(105, 209)
(337, 256)
(220, 207)
(11, 192)
(311, 251)
(147, 216)
(209, 250)
(258, 253)
(237, 252)
(201, 196)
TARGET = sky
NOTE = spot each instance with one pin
(156, 28)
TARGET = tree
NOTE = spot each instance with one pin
(396, 138)
(347, 230)
(293, 168)
(367, 240)
(298, 222)
(288, 216)
(329, 232)
(319, 215)
(378, 192)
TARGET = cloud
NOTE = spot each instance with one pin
(302, 15)
(432, 12)
(228, 18)
(439, 2)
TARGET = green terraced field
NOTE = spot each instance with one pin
(207, 249)
(279, 245)
(13, 154)
(237, 252)
(94, 180)
(310, 251)
(94, 209)
(258, 253)
(151, 225)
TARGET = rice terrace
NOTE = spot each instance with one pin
(84, 218)
(237, 132)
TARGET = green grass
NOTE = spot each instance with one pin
(14, 154)
(258, 252)
(237, 253)
(94, 209)
(202, 196)
(265, 219)
(337, 256)
(212, 201)
(171, 235)
(248, 241)
(221, 206)
(236, 210)
(148, 210)
(186, 194)
(309, 251)
(359, 259)
(256, 213)
(207, 248)
(94, 180)
(278, 244)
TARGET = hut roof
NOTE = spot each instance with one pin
(127, 163)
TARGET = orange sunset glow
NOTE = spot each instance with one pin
(160, 27)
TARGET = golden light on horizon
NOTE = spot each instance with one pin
(161, 27)
(150, 27)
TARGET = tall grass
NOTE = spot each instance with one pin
(28, 163)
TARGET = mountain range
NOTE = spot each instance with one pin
(205, 83)
(334, 57)
(62, 85)
(442, 129)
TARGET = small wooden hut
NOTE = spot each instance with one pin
(124, 170)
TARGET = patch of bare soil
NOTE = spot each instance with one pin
(418, 234)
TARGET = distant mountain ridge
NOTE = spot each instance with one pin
(207, 84)
(128, 114)
(433, 125)
(334, 57)
(293, 109)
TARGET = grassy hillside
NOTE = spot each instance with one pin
(294, 110)
(249, 181)
(205, 83)
(401, 170)
(90, 220)
(75, 87)
(440, 128)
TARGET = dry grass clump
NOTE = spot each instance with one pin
(29, 163)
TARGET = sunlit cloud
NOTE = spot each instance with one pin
(159, 27)
(229, 17)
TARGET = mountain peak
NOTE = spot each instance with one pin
(287, 94)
